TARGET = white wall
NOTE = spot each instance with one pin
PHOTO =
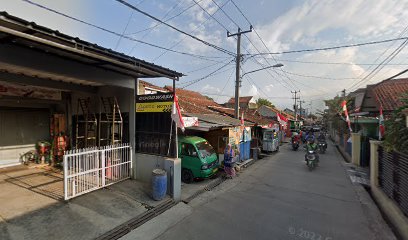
(145, 163)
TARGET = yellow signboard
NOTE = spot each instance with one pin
(154, 107)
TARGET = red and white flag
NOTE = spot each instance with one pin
(381, 127)
(176, 114)
(344, 105)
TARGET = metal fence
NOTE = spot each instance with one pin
(393, 177)
(89, 169)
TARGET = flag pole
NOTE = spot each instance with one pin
(174, 101)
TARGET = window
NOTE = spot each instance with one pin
(188, 150)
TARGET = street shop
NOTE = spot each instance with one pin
(64, 100)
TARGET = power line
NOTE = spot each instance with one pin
(202, 23)
(157, 24)
(229, 78)
(379, 67)
(283, 81)
(189, 83)
(202, 68)
(175, 28)
(331, 48)
(166, 20)
(115, 33)
(336, 63)
(320, 77)
(124, 30)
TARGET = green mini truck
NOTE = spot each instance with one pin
(198, 158)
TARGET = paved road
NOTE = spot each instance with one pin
(278, 198)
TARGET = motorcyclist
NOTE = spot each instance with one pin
(310, 136)
(311, 146)
(321, 137)
(296, 137)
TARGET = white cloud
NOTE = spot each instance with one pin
(48, 19)
(358, 18)
(210, 89)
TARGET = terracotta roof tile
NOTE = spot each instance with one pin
(388, 93)
(193, 102)
(250, 115)
(241, 99)
(147, 84)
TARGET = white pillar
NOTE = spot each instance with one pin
(173, 169)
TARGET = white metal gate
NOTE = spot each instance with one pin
(89, 169)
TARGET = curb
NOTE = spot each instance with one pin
(379, 226)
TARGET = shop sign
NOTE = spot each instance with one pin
(190, 121)
(161, 102)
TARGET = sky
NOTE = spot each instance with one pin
(278, 26)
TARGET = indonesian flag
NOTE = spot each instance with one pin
(282, 120)
(344, 105)
(382, 127)
(176, 114)
(242, 119)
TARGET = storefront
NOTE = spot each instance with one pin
(64, 91)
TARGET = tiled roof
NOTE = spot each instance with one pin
(388, 93)
(193, 102)
(241, 99)
(149, 85)
(250, 115)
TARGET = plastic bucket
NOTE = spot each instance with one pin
(159, 184)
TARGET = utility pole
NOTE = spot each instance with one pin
(295, 106)
(238, 62)
(301, 107)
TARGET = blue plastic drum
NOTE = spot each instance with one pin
(159, 184)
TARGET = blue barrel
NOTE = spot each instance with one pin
(159, 184)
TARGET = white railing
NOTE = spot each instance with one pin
(89, 169)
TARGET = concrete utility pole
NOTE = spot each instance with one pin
(301, 107)
(295, 106)
(238, 62)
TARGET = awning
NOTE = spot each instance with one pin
(15, 31)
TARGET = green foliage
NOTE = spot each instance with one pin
(264, 101)
(396, 132)
(334, 113)
(209, 98)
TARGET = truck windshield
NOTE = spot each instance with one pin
(205, 149)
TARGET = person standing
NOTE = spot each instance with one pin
(229, 161)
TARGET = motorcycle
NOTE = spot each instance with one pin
(295, 144)
(312, 159)
(322, 145)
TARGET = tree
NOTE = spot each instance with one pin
(264, 101)
(396, 133)
(209, 98)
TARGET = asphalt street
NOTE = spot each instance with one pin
(279, 198)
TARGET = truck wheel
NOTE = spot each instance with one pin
(187, 176)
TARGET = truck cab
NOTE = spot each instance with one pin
(198, 158)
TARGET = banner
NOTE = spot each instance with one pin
(176, 114)
(154, 107)
(381, 125)
(161, 102)
(190, 121)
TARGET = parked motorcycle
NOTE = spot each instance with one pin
(322, 145)
(312, 159)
